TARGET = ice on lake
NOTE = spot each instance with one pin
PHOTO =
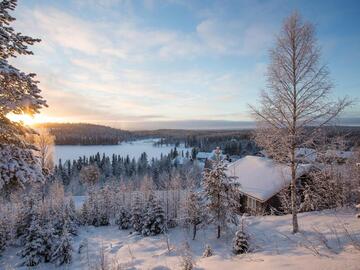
(133, 149)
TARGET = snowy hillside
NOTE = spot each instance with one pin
(323, 243)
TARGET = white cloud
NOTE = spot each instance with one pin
(111, 67)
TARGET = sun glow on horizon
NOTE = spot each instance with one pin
(32, 120)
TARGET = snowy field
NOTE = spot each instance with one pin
(133, 149)
(272, 245)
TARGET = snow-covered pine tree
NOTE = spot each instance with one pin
(106, 201)
(137, 214)
(187, 261)
(70, 217)
(84, 214)
(208, 252)
(89, 209)
(221, 194)
(240, 242)
(4, 232)
(148, 216)
(123, 219)
(94, 210)
(63, 253)
(57, 214)
(26, 209)
(34, 248)
(154, 217)
(49, 240)
(159, 225)
(101, 209)
(103, 220)
(19, 95)
(194, 208)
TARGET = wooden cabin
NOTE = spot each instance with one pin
(261, 179)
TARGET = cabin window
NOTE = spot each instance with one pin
(251, 203)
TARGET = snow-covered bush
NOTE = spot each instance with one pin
(208, 252)
(123, 220)
(154, 217)
(240, 242)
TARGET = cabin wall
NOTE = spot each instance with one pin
(252, 206)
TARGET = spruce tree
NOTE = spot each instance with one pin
(123, 219)
(63, 253)
(208, 252)
(221, 193)
(3, 233)
(240, 243)
(187, 261)
(84, 214)
(71, 217)
(49, 240)
(154, 217)
(19, 95)
(34, 248)
(24, 216)
(195, 213)
(137, 215)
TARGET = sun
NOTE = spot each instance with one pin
(24, 118)
(28, 119)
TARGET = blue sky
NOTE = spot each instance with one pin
(159, 63)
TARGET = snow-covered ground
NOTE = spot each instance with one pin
(272, 246)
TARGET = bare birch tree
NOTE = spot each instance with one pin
(44, 142)
(296, 103)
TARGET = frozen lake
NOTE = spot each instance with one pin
(133, 149)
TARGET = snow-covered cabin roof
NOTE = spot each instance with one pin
(204, 155)
(209, 155)
(260, 177)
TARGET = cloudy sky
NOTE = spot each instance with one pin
(172, 63)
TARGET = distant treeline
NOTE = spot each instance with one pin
(85, 134)
(234, 142)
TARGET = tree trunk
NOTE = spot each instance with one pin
(293, 199)
(194, 231)
(218, 231)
